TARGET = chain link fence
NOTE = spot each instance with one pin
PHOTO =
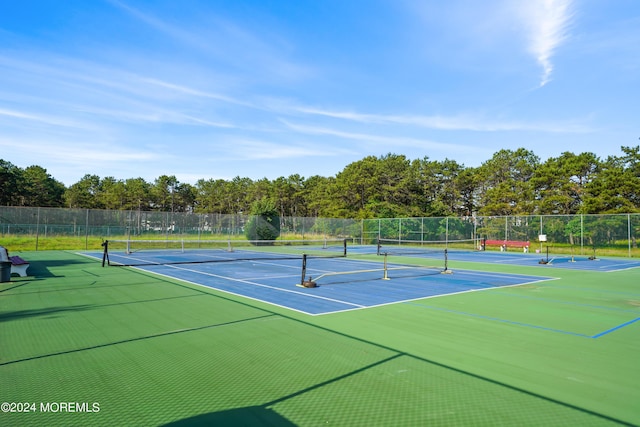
(40, 224)
(617, 234)
(608, 234)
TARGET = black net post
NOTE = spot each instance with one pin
(105, 253)
(446, 260)
(304, 269)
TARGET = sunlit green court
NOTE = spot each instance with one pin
(87, 345)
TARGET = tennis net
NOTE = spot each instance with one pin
(423, 247)
(137, 252)
(361, 271)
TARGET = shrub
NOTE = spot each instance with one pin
(264, 223)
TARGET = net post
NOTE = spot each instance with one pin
(386, 269)
(344, 248)
(128, 246)
(304, 269)
(446, 260)
(446, 263)
(379, 247)
(105, 252)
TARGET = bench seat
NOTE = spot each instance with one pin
(508, 243)
(19, 266)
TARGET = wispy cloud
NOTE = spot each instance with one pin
(548, 23)
(461, 122)
(379, 140)
(74, 93)
(238, 48)
(185, 90)
(162, 26)
(44, 119)
(256, 149)
(78, 153)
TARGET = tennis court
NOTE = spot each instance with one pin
(575, 262)
(544, 257)
(219, 343)
(273, 274)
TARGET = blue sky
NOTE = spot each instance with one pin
(208, 89)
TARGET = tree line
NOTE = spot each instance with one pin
(512, 182)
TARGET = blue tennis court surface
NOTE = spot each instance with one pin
(578, 262)
(347, 284)
(551, 261)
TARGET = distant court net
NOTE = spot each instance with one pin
(423, 248)
(563, 258)
(391, 267)
(133, 253)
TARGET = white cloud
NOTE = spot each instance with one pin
(244, 50)
(548, 23)
(79, 154)
(461, 122)
(45, 119)
(254, 149)
(380, 140)
(195, 92)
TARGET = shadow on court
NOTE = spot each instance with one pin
(250, 416)
(22, 314)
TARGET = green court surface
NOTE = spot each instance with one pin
(85, 345)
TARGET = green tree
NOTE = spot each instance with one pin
(11, 183)
(186, 195)
(41, 189)
(137, 194)
(559, 183)
(241, 195)
(355, 185)
(264, 223)
(466, 183)
(212, 196)
(112, 193)
(374, 187)
(163, 193)
(616, 188)
(504, 183)
(318, 197)
(288, 194)
(84, 193)
(435, 187)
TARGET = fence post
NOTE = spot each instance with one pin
(581, 234)
(506, 228)
(629, 232)
(446, 233)
(86, 232)
(37, 228)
